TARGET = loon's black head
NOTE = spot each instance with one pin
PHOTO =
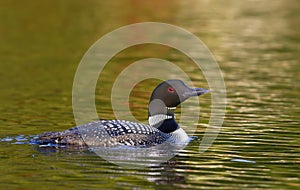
(165, 97)
(174, 92)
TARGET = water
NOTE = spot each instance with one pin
(256, 44)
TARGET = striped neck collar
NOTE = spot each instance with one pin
(159, 119)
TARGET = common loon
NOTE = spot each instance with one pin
(162, 126)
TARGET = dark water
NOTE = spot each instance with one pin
(256, 44)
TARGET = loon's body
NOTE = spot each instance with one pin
(120, 132)
(162, 126)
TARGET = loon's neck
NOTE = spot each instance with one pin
(164, 121)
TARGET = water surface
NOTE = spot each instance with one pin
(256, 44)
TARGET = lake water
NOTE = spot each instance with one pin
(256, 44)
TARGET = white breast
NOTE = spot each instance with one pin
(179, 137)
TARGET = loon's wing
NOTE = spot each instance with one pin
(120, 132)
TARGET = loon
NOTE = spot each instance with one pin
(162, 126)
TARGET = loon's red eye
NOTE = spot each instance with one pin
(170, 89)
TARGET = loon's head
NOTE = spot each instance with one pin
(164, 99)
(174, 92)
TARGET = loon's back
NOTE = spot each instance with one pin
(106, 133)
